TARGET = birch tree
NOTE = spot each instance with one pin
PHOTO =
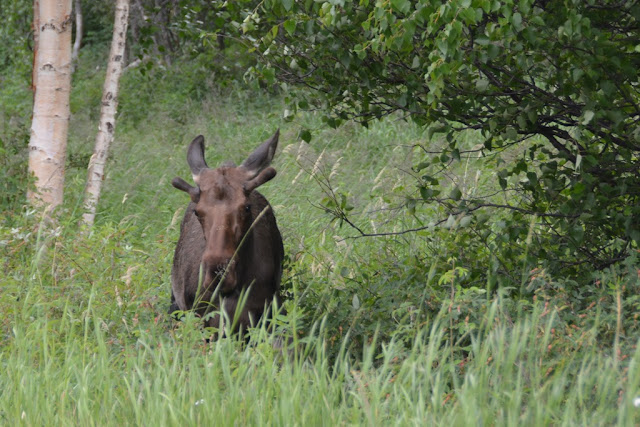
(107, 125)
(78, 41)
(52, 85)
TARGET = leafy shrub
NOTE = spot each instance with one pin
(534, 76)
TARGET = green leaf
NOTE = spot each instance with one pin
(290, 26)
(516, 20)
(402, 100)
(455, 194)
(502, 182)
(305, 135)
(576, 74)
(401, 6)
(511, 134)
(428, 193)
(482, 84)
(443, 46)
(493, 51)
(587, 117)
(355, 301)
(465, 221)
(287, 4)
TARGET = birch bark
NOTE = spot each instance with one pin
(52, 85)
(107, 125)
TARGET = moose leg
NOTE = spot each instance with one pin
(174, 305)
(220, 321)
(245, 318)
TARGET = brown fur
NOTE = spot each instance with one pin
(223, 208)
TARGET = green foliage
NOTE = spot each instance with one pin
(556, 82)
(429, 326)
(15, 117)
(15, 108)
(15, 35)
(84, 341)
(97, 20)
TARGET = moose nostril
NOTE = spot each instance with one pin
(214, 262)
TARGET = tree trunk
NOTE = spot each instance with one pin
(137, 20)
(107, 125)
(78, 41)
(52, 85)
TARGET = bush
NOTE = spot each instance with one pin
(554, 83)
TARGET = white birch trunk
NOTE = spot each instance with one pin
(52, 85)
(107, 124)
(78, 41)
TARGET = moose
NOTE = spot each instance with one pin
(229, 246)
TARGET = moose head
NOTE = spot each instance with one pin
(225, 205)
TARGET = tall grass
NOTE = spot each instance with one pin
(67, 364)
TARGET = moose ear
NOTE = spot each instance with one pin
(264, 176)
(262, 156)
(181, 184)
(195, 157)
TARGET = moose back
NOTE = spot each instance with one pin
(229, 240)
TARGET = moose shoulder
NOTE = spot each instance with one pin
(229, 239)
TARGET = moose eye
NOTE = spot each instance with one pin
(247, 208)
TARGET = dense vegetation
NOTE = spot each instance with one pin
(464, 320)
(555, 83)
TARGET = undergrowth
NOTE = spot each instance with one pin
(405, 328)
